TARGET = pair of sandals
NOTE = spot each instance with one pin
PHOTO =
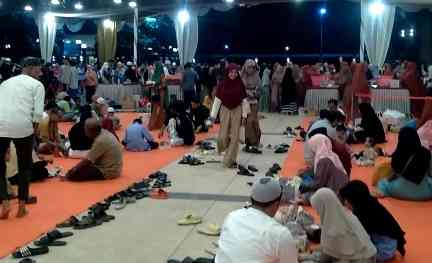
(247, 172)
(281, 148)
(50, 239)
(252, 149)
(190, 160)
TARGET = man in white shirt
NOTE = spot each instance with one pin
(252, 235)
(21, 107)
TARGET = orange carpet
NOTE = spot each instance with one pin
(59, 200)
(414, 217)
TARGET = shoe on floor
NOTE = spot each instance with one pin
(252, 168)
(25, 252)
(210, 230)
(190, 220)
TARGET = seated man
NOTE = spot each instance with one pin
(80, 144)
(252, 234)
(138, 138)
(114, 118)
(104, 160)
(199, 115)
(49, 137)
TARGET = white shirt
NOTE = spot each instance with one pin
(250, 236)
(21, 103)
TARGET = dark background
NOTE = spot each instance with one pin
(260, 31)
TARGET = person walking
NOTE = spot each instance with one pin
(22, 101)
(231, 100)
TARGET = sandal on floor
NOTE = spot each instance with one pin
(25, 252)
(252, 168)
(120, 203)
(48, 242)
(72, 221)
(87, 222)
(210, 230)
(27, 260)
(245, 173)
(189, 220)
(56, 234)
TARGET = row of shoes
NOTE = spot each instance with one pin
(246, 171)
(50, 239)
(190, 160)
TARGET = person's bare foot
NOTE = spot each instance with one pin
(5, 210)
(22, 211)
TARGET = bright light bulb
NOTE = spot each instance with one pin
(226, 47)
(78, 42)
(132, 4)
(108, 23)
(55, 2)
(83, 46)
(170, 47)
(402, 33)
(256, 60)
(78, 6)
(175, 50)
(376, 8)
(323, 11)
(287, 48)
(149, 49)
(193, 60)
(183, 16)
(28, 8)
(117, 2)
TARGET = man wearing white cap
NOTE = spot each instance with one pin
(252, 235)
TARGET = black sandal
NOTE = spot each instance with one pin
(87, 222)
(72, 221)
(25, 252)
(252, 168)
(49, 242)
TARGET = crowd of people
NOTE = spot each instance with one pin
(33, 102)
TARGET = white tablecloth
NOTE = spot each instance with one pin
(116, 93)
(317, 99)
(391, 99)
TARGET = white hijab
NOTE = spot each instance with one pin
(342, 234)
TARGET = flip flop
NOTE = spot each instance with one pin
(252, 168)
(87, 222)
(48, 242)
(56, 234)
(210, 230)
(27, 260)
(72, 221)
(189, 220)
(25, 252)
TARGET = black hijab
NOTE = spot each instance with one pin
(374, 217)
(409, 145)
(371, 123)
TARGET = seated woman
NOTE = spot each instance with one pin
(411, 164)
(343, 238)
(382, 227)
(328, 170)
(65, 104)
(370, 126)
(80, 144)
(200, 114)
(49, 137)
(138, 138)
(179, 125)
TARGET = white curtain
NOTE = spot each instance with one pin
(135, 44)
(72, 25)
(375, 33)
(47, 32)
(187, 38)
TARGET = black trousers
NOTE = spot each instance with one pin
(188, 96)
(24, 148)
(86, 173)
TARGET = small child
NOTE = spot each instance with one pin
(369, 154)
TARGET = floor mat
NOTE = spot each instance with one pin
(414, 217)
(58, 200)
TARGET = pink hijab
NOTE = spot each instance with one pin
(425, 134)
(321, 146)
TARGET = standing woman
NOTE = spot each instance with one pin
(252, 82)
(231, 100)
(264, 102)
(276, 82)
(157, 117)
(289, 93)
(359, 85)
(343, 238)
(411, 81)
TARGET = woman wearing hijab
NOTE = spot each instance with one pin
(157, 117)
(252, 83)
(370, 125)
(276, 82)
(382, 227)
(289, 93)
(411, 81)
(343, 238)
(264, 101)
(231, 100)
(359, 86)
(328, 170)
(411, 164)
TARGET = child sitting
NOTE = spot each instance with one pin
(179, 125)
(369, 154)
(200, 114)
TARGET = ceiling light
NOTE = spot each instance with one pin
(175, 49)
(132, 4)
(78, 6)
(287, 48)
(323, 11)
(229, 1)
(83, 46)
(226, 47)
(183, 16)
(117, 2)
(55, 2)
(78, 42)
(376, 8)
(28, 8)
(402, 34)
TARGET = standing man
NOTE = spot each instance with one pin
(190, 78)
(66, 74)
(90, 83)
(21, 107)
